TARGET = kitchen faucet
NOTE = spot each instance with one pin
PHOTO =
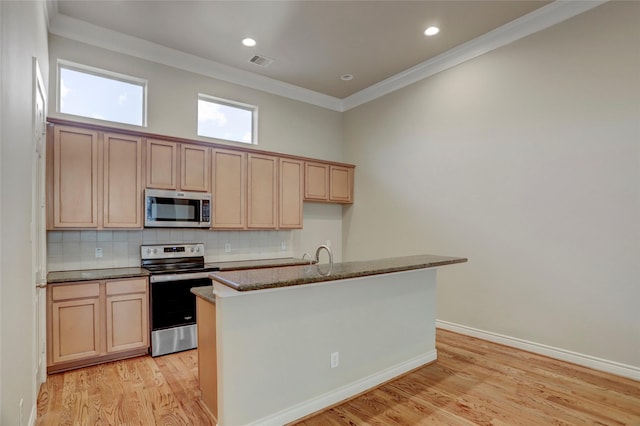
(328, 252)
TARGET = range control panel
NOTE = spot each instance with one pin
(168, 251)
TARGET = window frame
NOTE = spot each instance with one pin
(99, 72)
(233, 104)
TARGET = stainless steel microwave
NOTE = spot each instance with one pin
(177, 209)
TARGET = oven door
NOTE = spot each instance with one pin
(173, 315)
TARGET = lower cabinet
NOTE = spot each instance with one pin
(93, 322)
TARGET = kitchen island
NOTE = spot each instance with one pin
(278, 344)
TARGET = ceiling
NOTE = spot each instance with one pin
(312, 43)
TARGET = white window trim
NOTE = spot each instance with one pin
(235, 104)
(99, 72)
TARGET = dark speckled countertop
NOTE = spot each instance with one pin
(260, 263)
(259, 279)
(55, 277)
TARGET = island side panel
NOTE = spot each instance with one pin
(207, 356)
(274, 346)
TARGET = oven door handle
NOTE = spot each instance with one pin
(179, 277)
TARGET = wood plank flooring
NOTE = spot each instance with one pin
(474, 382)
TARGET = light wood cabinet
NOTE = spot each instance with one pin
(341, 184)
(122, 200)
(127, 315)
(75, 178)
(328, 183)
(178, 166)
(95, 180)
(291, 193)
(75, 322)
(162, 164)
(195, 163)
(93, 322)
(229, 189)
(262, 192)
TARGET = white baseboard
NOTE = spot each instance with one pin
(330, 398)
(600, 364)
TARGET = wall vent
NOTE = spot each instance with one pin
(261, 61)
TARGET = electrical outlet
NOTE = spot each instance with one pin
(283, 245)
(328, 243)
(227, 247)
(335, 359)
(98, 252)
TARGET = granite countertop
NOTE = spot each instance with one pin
(255, 264)
(55, 277)
(264, 278)
(205, 292)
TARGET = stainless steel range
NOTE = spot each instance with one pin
(175, 269)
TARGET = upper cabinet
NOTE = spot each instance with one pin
(177, 166)
(256, 191)
(95, 179)
(195, 163)
(122, 160)
(262, 192)
(291, 193)
(75, 178)
(328, 183)
(229, 189)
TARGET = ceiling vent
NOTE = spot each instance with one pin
(261, 61)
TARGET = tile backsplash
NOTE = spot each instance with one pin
(73, 250)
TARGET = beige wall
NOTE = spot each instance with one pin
(526, 160)
(285, 126)
(24, 35)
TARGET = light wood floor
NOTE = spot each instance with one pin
(474, 382)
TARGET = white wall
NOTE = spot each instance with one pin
(285, 125)
(526, 160)
(24, 35)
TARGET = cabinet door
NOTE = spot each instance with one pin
(75, 178)
(194, 168)
(262, 192)
(291, 191)
(316, 182)
(229, 189)
(127, 314)
(341, 181)
(75, 323)
(122, 199)
(162, 164)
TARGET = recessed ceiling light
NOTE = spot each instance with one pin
(249, 42)
(431, 31)
(346, 77)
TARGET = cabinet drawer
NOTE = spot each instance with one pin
(75, 291)
(137, 285)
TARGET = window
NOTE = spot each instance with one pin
(102, 95)
(228, 120)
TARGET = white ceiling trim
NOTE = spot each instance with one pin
(538, 20)
(542, 18)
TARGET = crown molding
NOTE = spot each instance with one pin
(71, 28)
(540, 19)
